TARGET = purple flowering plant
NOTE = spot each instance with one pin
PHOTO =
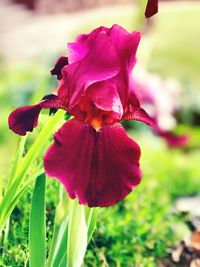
(91, 155)
(94, 88)
(93, 158)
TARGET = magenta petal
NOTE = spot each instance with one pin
(24, 119)
(151, 8)
(105, 97)
(94, 67)
(126, 44)
(57, 70)
(173, 140)
(100, 168)
(76, 51)
(139, 115)
(84, 42)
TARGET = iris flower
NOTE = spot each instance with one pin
(92, 156)
(151, 8)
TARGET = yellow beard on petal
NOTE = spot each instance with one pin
(96, 123)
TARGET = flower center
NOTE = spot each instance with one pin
(96, 123)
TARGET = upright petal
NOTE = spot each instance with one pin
(84, 42)
(77, 51)
(100, 168)
(126, 44)
(94, 67)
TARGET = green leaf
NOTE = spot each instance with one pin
(37, 227)
(10, 199)
(60, 254)
(92, 221)
(77, 236)
(58, 247)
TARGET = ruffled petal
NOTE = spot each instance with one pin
(84, 42)
(151, 8)
(126, 44)
(24, 119)
(105, 97)
(94, 67)
(77, 51)
(100, 168)
(57, 70)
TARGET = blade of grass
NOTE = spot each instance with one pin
(37, 227)
(17, 160)
(11, 202)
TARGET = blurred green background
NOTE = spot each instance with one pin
(142, 229)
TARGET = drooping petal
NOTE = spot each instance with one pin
(151, 8)
(173, 140)
(94, 67)
(57, 70)
(100, 168)
(139, 115)
(24, 119)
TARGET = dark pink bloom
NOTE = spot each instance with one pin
(162, 99)
(92, 156)
(151, 8)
